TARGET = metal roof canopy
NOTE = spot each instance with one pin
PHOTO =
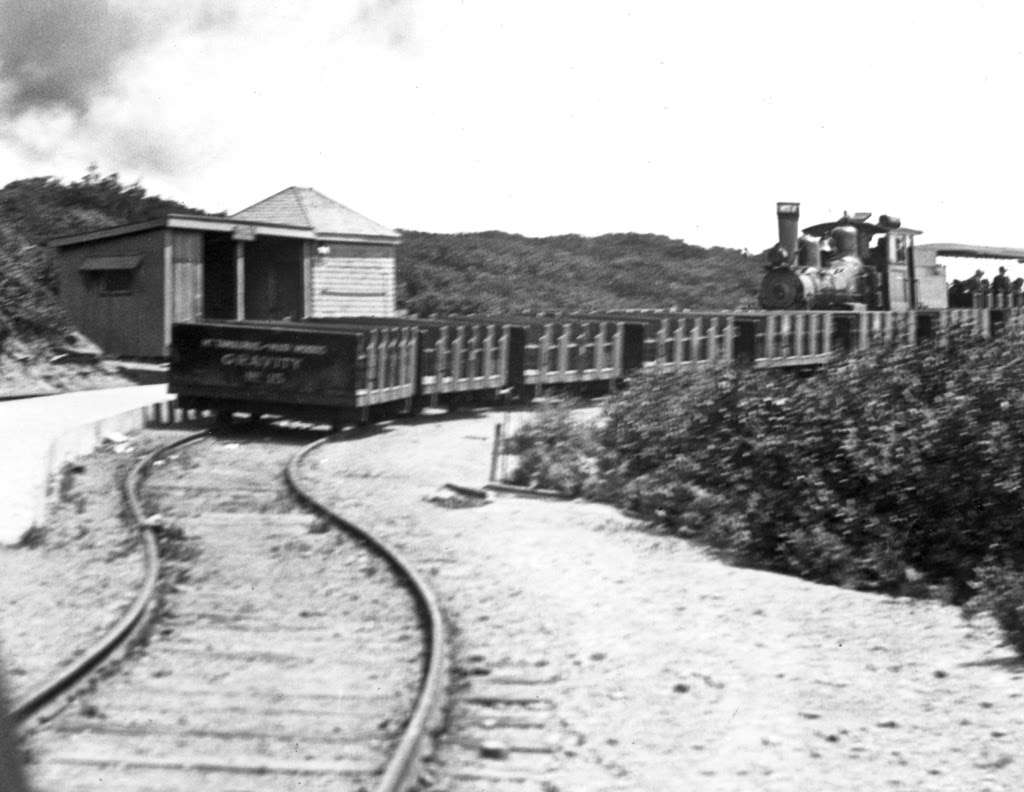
(105, 263)
(958, 250)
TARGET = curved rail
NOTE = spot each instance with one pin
(402, 768)
(132, 620)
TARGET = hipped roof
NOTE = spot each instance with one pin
(307, 208)
(296, 212)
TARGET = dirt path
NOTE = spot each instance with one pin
(78, 574)
(664, 669)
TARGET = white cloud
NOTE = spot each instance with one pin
(685, 119)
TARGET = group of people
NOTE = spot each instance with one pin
(962, 292)
(1000, 283)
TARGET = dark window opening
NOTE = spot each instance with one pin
(116, 282)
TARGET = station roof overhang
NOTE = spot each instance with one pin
(239, 229)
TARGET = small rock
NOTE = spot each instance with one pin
(998, 764)
(598, 656)
(889, 724)
(492, 749)
(680, 687)
(940, 674)
(809, 715)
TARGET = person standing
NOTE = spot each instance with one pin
(1001, 283)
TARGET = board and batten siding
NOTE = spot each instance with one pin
(121, 323)
(353, 280)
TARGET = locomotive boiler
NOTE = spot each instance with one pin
(847, 264)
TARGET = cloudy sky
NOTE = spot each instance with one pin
(687, 119)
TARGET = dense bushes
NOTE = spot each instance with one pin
(901, 464)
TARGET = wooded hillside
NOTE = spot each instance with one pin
(499, 272)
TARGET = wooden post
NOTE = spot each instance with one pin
(712, 337)
(695, 339)
(457, 347)
(543, 352)
(489, 356)
(307, 279)
(662, 341)
(564, 339)
(240, 280)
(495, 453)
(769, 335)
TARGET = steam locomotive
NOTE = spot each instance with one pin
(849, 264)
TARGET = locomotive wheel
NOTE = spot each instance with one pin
(780, 289)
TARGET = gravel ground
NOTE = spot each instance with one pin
(66, 586)
(663, 668)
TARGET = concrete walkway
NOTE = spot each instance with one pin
(38, 435)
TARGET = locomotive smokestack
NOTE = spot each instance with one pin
(789, 229)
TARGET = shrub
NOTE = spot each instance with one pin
(555, 452)
(895, 459)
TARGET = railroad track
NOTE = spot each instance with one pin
(289, 655)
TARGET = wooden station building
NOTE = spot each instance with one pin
(293, 255)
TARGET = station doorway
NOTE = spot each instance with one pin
(273, 278)
(220, 280)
